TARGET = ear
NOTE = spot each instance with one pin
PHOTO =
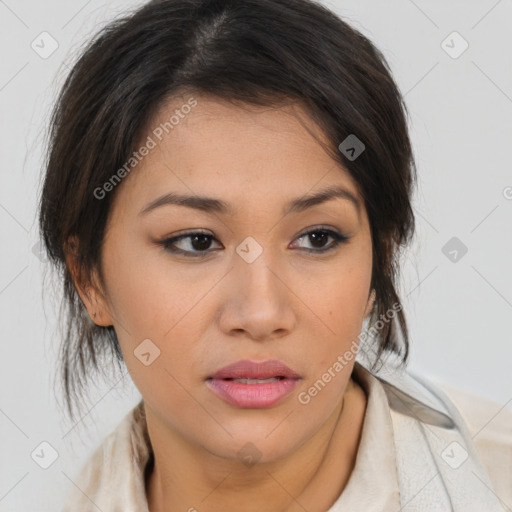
(370, 304)
(91, 293)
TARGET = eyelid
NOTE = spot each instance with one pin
(192, 254)
(320, 227)
(338, 236)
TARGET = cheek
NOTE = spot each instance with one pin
(148, 293)
(332, 357)
(153, 299)
(346, 305)
(339, 313)
(339, 301)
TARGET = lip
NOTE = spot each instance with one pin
(247, 369)
(255, 395)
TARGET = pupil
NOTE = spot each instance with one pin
(203, 244)
(318, 238)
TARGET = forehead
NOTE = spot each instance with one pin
(217, 148)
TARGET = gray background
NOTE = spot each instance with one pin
(459, 312)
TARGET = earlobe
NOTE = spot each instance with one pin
(89, 292)
(100, 318)
(95, 303)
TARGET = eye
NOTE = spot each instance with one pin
(197, 243)
(319, 236)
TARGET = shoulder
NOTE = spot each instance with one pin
(484, 424)
(111, 478)
(490, 426)
(84, 489)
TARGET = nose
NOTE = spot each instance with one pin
(259, 303)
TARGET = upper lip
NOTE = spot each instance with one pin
(246, 369)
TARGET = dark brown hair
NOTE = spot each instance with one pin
(261, 52)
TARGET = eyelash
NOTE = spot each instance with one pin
(339, 239)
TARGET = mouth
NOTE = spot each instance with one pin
(256, 370)
(253, 385)
(256, 381)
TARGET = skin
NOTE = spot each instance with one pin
(205, 313)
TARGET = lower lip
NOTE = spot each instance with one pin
(252, 396)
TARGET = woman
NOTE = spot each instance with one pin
(227, 190)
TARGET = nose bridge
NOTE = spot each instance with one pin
(259, 302)
(256, 270)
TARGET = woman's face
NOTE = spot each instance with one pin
(252, 286)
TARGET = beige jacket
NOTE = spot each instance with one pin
(424, 447)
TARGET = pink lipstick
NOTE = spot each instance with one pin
(253, 384)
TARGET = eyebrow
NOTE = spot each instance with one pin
(212, 205)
